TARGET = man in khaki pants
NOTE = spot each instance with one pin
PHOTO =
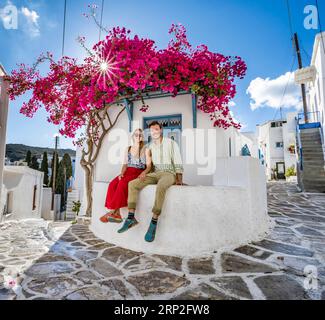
(168, 171)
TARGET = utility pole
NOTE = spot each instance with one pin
(303, 86)
(54, 170)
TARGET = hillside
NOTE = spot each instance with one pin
(17, 152)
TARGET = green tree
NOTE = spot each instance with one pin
(28, 158)
(45, 169)
(59, 187)
(34, 163)
(55, 155)
(64, 173)
(67, 163)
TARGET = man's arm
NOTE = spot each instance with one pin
(178, 163)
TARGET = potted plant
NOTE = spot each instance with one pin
(291, 174)
(76, 209)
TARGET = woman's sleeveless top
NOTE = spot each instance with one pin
(135, 162)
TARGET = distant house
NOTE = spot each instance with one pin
(24, 191)
(4, 101)
(277, 145)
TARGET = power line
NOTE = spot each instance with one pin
(289, 18)
(101, 20)
(286, 87)
(64, 25)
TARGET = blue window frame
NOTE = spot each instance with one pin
(172, 126)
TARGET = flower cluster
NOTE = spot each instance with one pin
(122, 66)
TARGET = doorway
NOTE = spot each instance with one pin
(280, 169)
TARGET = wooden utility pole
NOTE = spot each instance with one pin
(54, 170)
(303, 86)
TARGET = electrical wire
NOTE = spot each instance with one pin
(101, 20)
(64, 26)
(289, 17)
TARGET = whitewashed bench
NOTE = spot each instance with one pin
(197, 220)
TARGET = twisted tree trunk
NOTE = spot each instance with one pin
(96, 131)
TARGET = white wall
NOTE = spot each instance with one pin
(3, 128)
(289, 137)
(105, 171)
(316, 89)
(21, 181)
(223, 223)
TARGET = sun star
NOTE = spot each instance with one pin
(107, 68)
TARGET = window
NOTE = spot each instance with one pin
(279, 144)
(172, 126)
(34, 198)
(277, 124)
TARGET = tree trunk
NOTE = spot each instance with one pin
(91, 152)
(89, 188)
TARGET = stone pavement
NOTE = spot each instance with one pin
(63, 261)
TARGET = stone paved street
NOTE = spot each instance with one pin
(63, 261)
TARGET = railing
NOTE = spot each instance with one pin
(309, 117)
(299, 146)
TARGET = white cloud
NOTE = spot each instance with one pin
(231, 104)
(32, 26)
(269, 92)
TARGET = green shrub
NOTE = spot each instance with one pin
(291, 172)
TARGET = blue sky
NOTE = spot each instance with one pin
(258, 31)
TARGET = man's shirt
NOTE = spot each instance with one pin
(166, 156)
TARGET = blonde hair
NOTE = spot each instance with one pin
(141, 146)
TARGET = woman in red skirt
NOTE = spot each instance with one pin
(137, 164)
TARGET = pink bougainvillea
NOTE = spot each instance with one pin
(122, 66)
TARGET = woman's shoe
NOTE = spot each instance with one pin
(128, 224)
(113, 216)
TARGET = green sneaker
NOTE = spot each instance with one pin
(151, 234)
(128, 224)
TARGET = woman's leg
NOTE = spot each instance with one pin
(111, 191)
(120, 199)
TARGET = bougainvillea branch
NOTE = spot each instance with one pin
(122, 66)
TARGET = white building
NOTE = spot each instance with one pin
(4, 102)
(24, 190)
(316, 82)
(277, 145)
(219, 183)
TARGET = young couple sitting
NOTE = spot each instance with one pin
(158, 163)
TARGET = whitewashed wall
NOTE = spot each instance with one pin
(21, 181)
(3, 128)
(316, 89)
(289, 137)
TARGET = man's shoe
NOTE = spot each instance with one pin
(151, 234)
(128, 224)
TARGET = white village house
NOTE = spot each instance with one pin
(316, 85)
(277, 145)
(21, 188)
(311, 173)
(224, 203)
